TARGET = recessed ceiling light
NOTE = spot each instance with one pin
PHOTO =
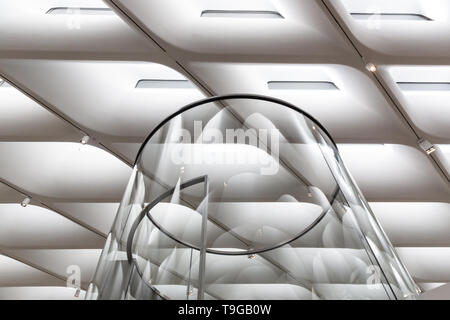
(164, 84)
(426, 146)
(371, 67)
(84, 140)
(241, 14)
(424, 86)
(301, 85)
(389, 16)
(83, 11)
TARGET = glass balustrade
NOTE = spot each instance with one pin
(245, 197)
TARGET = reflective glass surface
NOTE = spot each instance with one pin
(245, 197)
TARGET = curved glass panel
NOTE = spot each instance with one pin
(245, 197)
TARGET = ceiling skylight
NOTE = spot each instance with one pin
(424, 86)
(389, 16)
(262, 14)
(82, 11)
(301, 85)
(164, 84)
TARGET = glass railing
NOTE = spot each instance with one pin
(245, 197)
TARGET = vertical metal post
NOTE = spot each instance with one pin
(202, 262)
(189, 285)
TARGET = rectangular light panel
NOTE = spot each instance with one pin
(164, 84)
(390, 16)
(241, 14)
(82, 11)
(424, 86)
(301, 85)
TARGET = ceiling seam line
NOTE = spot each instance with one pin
(341, 28)
(81, 224)
(38, 199)
(117, 155)
(138, 26)
(130, 19)
(390, 96)
(41, 103)
(35, 266)
(397, 105)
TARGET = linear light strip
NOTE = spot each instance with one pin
(81, 11)
(241, 14)
(424, 86)
(164, 84)
(301, 85)
(389, 16)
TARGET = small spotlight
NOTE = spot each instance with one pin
(371, 67)
(25, 202)
(430, 150)
(309, 195)
(84, 140)
(426, 146)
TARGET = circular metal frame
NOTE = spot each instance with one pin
(231, 97)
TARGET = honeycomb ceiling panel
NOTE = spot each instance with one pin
(70, 32)
(354, 111)
(387, 172)
(116, 110)
(35, 227)
(415, 224)
(303, 31)
(22, 119)
(425, 97)
(98, 215)
(62, 262)
(64, 171)
(17, 274)
(419, 33)
(427, 264)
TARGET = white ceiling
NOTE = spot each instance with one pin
(73, 76)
